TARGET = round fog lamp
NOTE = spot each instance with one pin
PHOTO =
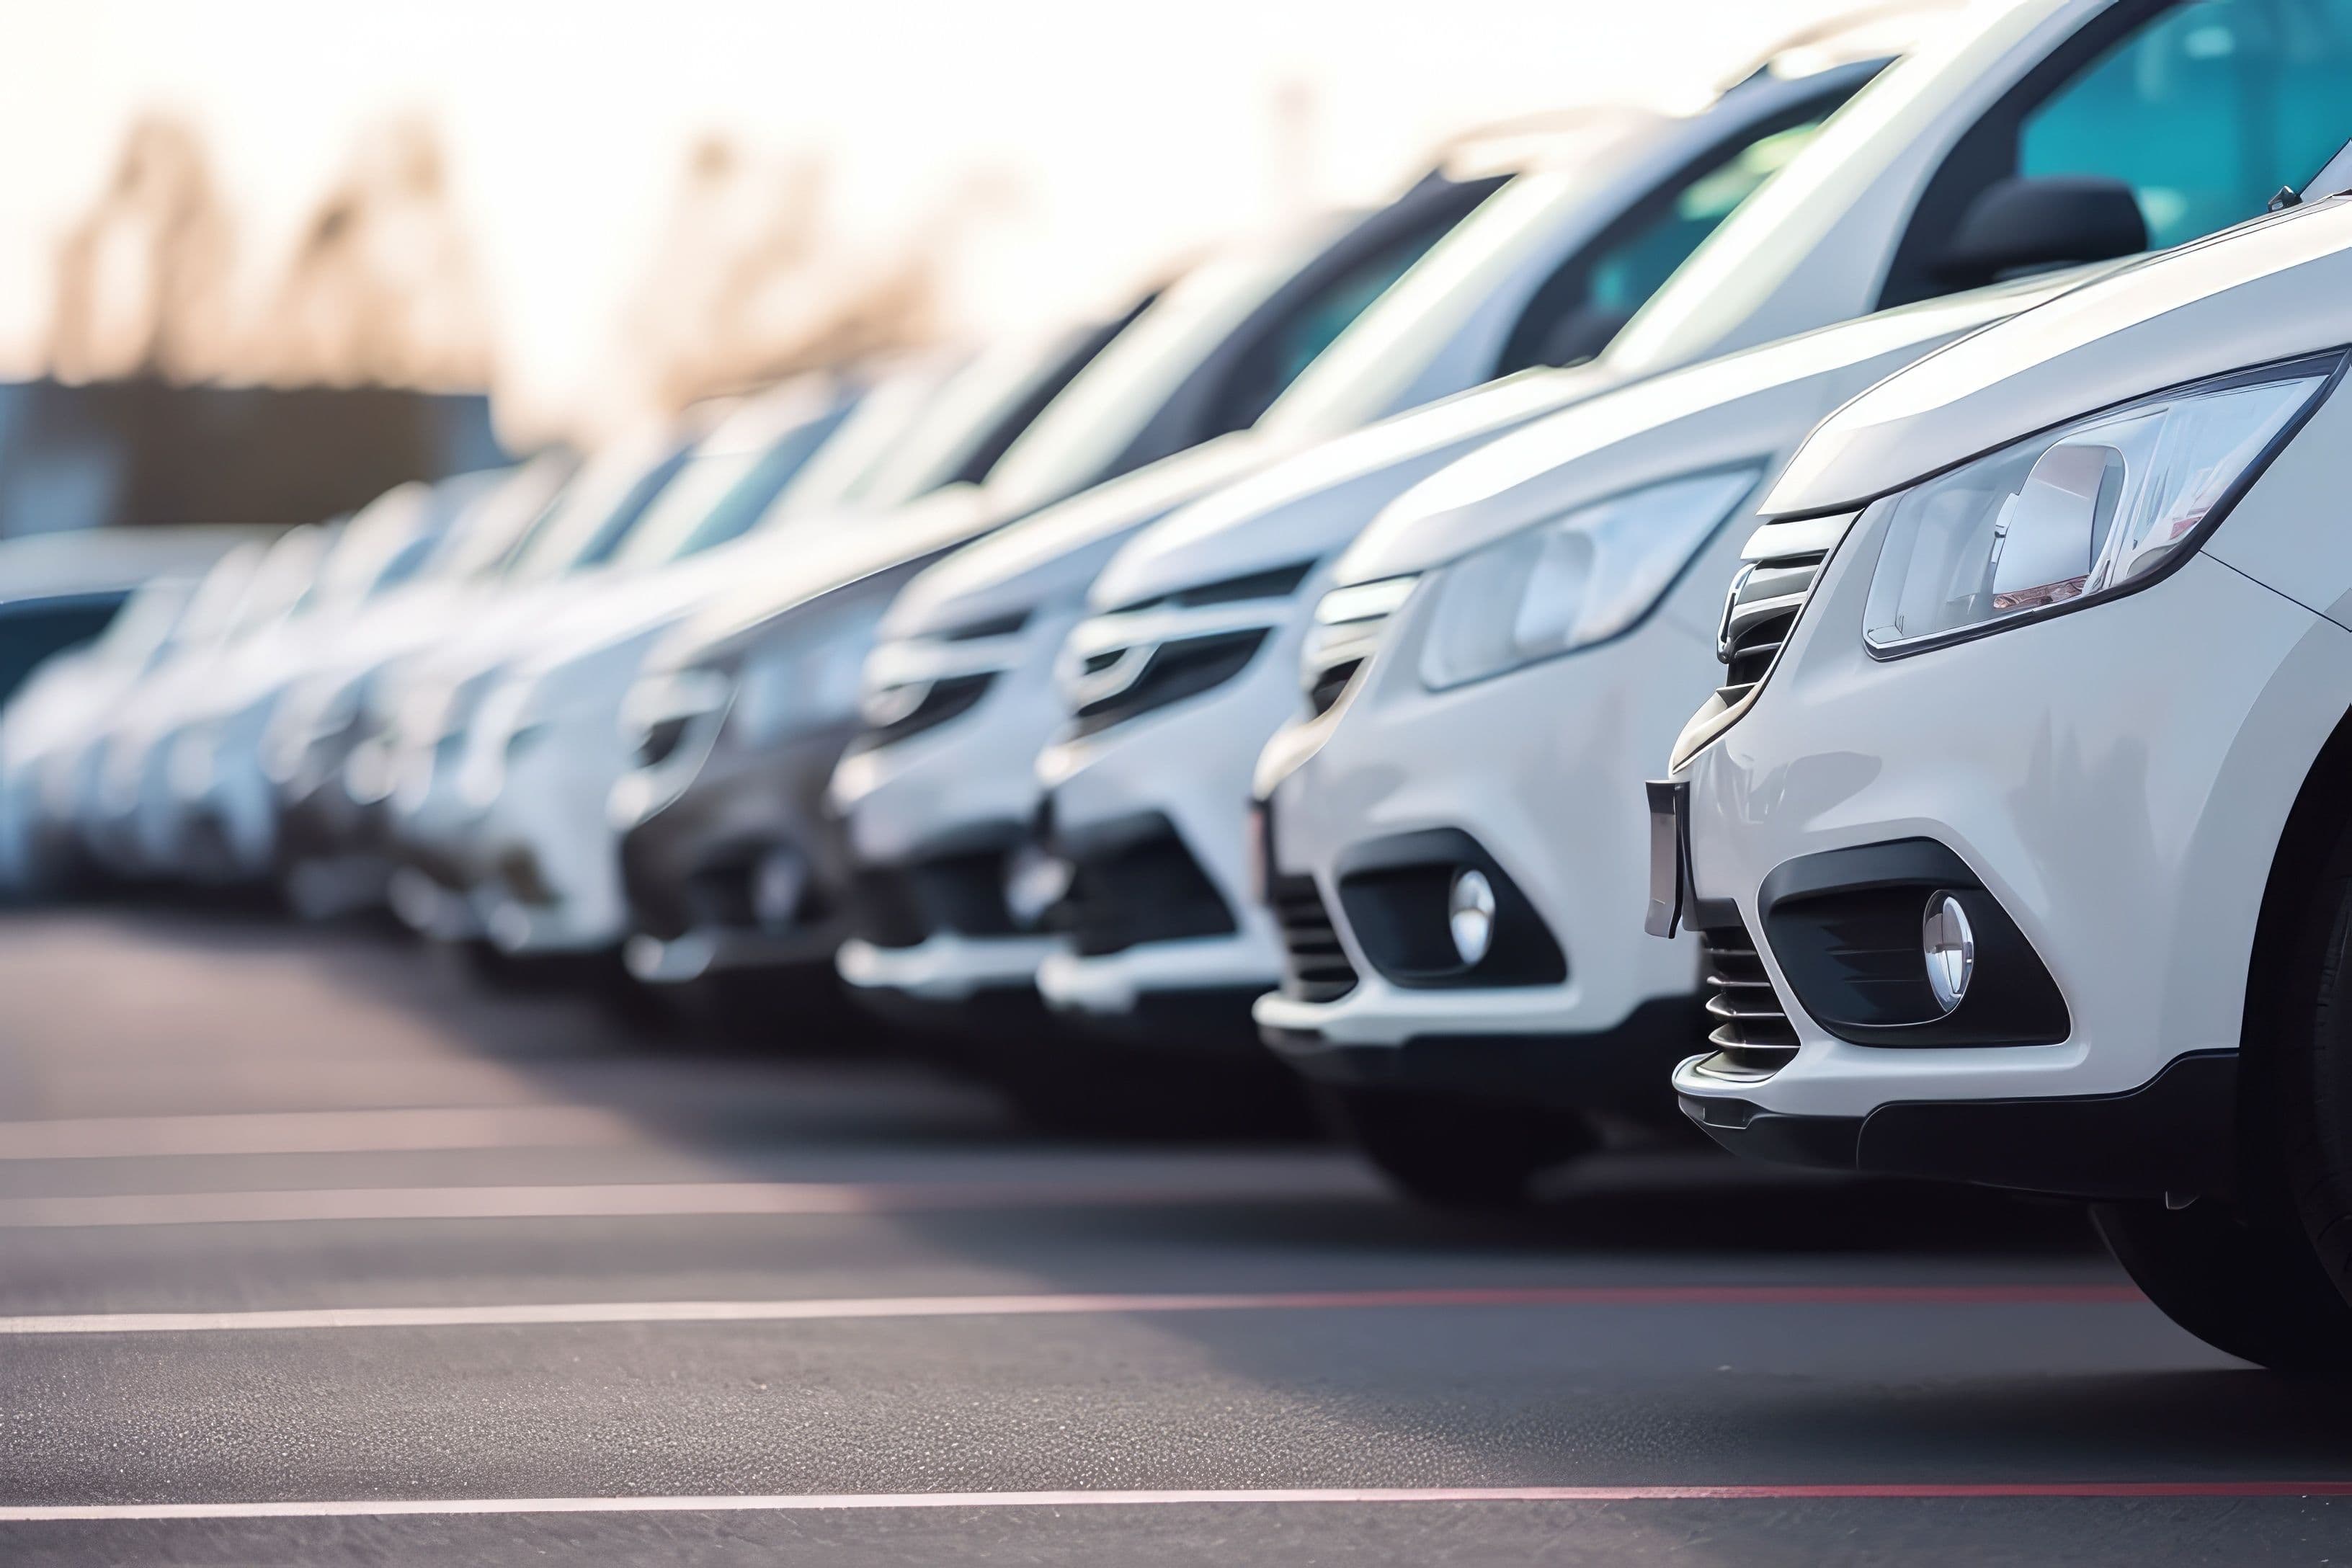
(1035, 879)
(1950, 946)
(1470, 915)
(777, 880)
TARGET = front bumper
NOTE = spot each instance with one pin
(1181, 775)
(927, 820)
(1540, 788)
(2111, 785)
(691, 870)
(550, 879)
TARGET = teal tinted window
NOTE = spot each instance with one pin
(2205, 111)
(1628, 272)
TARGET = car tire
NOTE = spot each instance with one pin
(1453, 1155)
(2254, 1290)
(2304, 1091)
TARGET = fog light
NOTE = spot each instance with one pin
(1952, 949)
(1470, 915)
(1035, 879)
(778, 882)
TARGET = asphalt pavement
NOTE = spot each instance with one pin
(314, 1250)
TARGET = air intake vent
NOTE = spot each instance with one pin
(1752, 1035)
(1315, 968)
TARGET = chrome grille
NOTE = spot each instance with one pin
(1783, 559)
(1349, 624)
(1752, 1036)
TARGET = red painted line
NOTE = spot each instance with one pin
(1279, 1496)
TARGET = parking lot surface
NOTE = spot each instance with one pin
(313, 1250)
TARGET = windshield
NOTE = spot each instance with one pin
(968, 410)
(844, 471)
(724, 488)
(1727, 279)
(1107, 404)
(1370, 365)
(595, 511)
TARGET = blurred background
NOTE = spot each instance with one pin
(591, 213)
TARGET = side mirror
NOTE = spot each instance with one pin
(2018, 226)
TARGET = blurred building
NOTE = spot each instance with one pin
(363, 366)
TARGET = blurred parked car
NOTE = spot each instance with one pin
(547, 747)
(326, 862)
(2015, 835)
(126, 818)
(1204, 358)
(84, 617)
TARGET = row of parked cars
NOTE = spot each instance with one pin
(1290, 682)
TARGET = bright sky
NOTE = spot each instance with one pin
(1132, 133)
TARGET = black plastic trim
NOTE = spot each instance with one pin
(1626, 1068)
(1394, 890)
(2176, 1135)
(1844, 927)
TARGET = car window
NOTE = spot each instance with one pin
(2205, 111)
(1572, 317)
(1275, 362)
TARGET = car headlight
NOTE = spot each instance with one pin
(2093, 508)
(1578, 580)
(661, 708)
(807, 681)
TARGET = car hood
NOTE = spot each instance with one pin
(303, 646)
(2268, 290)
(811, 563)
(1751, 407)
(1055, 552)
(1313, 502)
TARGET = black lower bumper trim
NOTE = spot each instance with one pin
(2175, 1134)
(1623, 1070)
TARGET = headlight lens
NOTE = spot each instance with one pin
(808, 680)
(2085, 512)
(1578, 580)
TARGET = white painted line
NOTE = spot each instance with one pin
(820, 1310)
(665, 1199)
(318, 1132)
(813, 1502)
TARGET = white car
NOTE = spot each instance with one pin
(110, 600)
(1449, 846)
(326, 863)
(549, 744)
(1201, 623)
(2023, 860)
(400, 771)
(941, 795)
(129, 821)
(632, 536)
(220, 788)
(732, 860)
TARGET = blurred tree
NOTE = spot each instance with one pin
(141, 280)
(380, 287)
(751, 282)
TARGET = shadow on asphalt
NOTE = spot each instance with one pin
(1947, 1420)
